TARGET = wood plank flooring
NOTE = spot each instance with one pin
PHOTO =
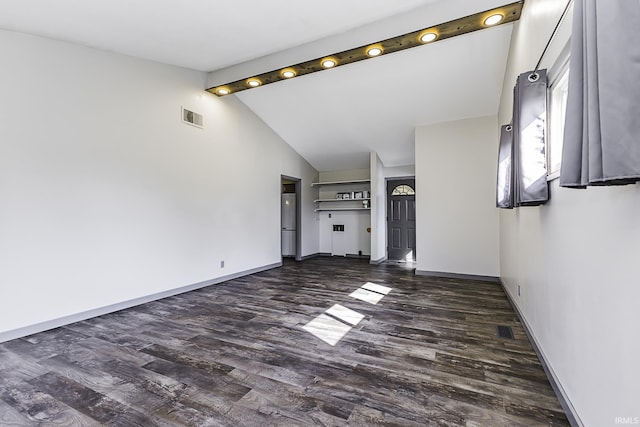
(236, 354)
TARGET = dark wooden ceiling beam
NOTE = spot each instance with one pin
(457, 27)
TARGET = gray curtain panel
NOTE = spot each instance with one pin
(504, 192)
(522, 160)
(529, 129)
(602, 128)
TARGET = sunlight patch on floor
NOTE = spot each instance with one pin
(345, 314)
(376, 288)
(332, 325)
(327, 329)
(366, 296)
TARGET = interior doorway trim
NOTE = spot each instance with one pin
(298, 190)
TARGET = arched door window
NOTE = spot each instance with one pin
(403, 190)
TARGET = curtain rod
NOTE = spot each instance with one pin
(553, 34)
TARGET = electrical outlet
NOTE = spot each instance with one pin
(222, 264)
(518, 290)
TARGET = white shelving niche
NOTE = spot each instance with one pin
(345, 223)
(354, 195)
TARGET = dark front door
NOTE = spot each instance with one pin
(401, 219)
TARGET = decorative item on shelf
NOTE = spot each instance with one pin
(365, 204)
(358, 195)
(366, 194)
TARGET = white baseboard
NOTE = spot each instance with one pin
(66, 320)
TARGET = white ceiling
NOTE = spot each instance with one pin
(199, 34)
(332, 118)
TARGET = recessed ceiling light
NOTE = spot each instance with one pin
(328, 63)
(428, 37)
(254, 82)
(287, 74)
(374, 51)
(222, 91)
(494, 19)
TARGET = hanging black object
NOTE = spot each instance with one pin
(504, 193)
(522, 168)
(602, 128)
(529, 128)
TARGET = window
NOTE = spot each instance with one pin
(558, 90)
(403, 190)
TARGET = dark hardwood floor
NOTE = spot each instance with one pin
(236, 354)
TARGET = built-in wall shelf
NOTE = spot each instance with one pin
(341, 200)
(348, 195)
(355, 181)
(342, 209)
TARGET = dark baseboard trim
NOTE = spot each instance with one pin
(327, 254)
(378, 261)
(568, 408)
(66, 320)
(491, 279)
(310, 256)
(357, 256)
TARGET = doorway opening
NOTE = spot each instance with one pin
(290, 215)
(401, 220)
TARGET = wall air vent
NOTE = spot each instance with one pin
(192, 118)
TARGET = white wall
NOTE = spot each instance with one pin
(355, 238)
(457, 223)
(107, 196)
(400, 171)
(344, 175)
(576, 261)
(378, 210)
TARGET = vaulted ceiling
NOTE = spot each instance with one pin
(333, 118)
